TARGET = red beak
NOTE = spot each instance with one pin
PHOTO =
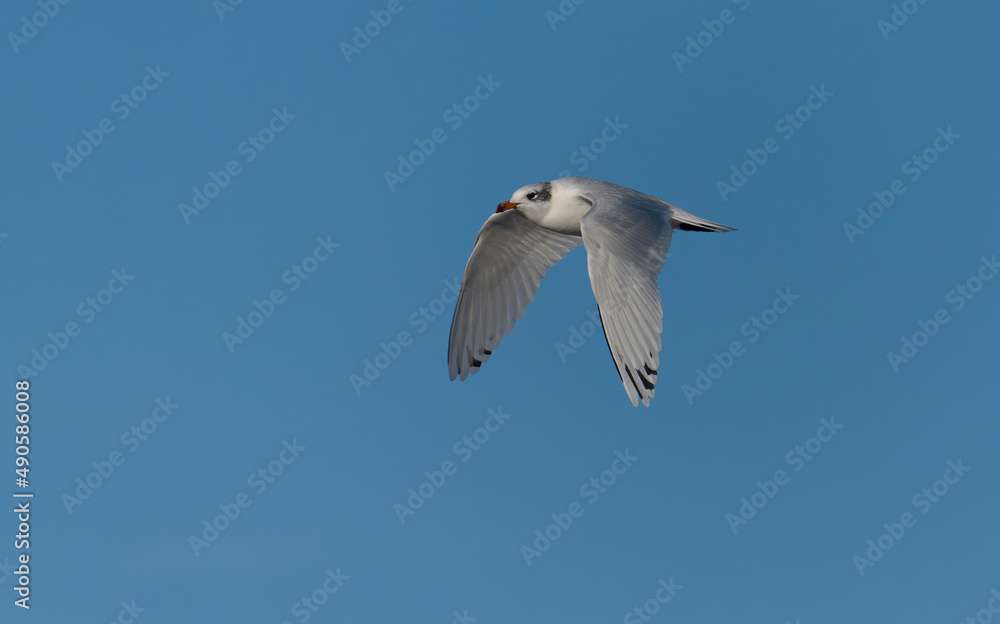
(507, 206)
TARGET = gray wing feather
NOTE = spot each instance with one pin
(508, 262)
(627, 241)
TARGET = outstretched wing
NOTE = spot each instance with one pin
(508, 262)
(626, 247)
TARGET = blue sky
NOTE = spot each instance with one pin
(207, 230)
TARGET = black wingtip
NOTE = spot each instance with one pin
(690, 227)
(608, 342)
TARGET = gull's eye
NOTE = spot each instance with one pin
(532, 195)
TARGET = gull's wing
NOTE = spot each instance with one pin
(627, 241)
(508, 262)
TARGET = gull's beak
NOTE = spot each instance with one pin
(507, 206)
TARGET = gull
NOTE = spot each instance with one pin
(626, 234)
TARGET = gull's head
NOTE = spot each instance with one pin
(534, 200)
(557, 205)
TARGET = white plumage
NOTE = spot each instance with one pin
(626, 234)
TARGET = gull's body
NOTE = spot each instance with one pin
(626, 234)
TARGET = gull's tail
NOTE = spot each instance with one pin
(684, 220)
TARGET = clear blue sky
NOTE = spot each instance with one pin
(207, 230)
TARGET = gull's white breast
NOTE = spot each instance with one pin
(568, 206)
